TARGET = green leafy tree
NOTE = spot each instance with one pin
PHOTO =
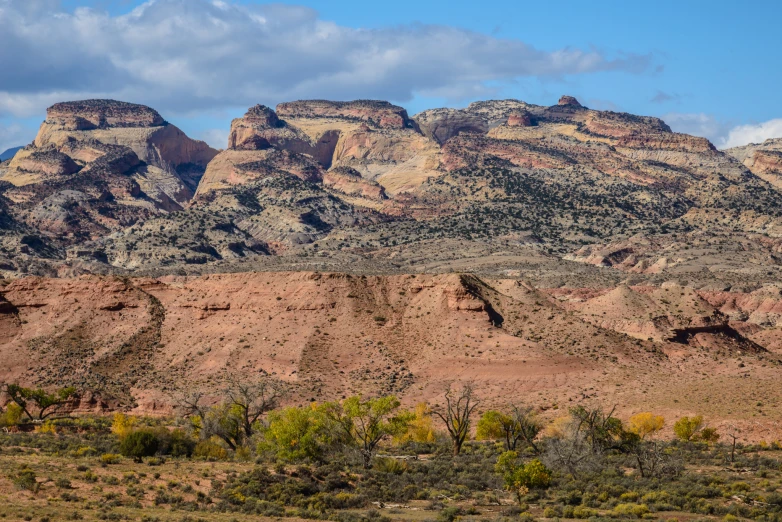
(519, 477)
(224, 421)
(366, 423)
(519, 425)
(139, 444)
(296, 434)
(38, 404)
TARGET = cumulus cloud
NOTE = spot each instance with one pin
(188, 55)
(721, 133)
(752, 133)
(697, 124)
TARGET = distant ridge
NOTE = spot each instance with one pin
(10, 153)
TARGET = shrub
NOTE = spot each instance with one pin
(519, 478)
(581, 512)
(139, 444)
(210, 450)
(26, 479)
(110, 458)
(63, 483)
(449, 514)
(635, 510)
(389, 465)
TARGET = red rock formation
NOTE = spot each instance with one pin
(569, 101)
(520, 119)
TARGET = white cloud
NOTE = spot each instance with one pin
(216, 138)
(697, 124)
(186, 55)
(14, 135)
(752, 133)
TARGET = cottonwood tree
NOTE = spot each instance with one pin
(456, 413)
(235, 419)
(653, 457)
(646, 424)
(38, 404)
(518, 425)
(583, 439)
(367, 422)
(688, 428)
(253, 400)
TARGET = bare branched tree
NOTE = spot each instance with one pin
(459, 407)
(527, 426)
(253, 400)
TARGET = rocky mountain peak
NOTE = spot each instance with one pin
(262, 117)
(569, 100)
(94, 114)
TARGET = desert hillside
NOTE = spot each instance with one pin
(134, 343)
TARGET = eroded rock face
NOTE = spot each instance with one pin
(100, 165)
(48, 162)
(233, 168)
(520, 119)
(121, 339)
(764, 159)
(348, 181)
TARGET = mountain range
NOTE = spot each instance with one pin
(559, 247)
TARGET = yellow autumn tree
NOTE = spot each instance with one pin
(421, 428)
(122, 424)
(646, 423)
(687, 428)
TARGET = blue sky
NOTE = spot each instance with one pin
(708, 68)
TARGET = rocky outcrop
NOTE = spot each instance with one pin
(233, 168)
(260, 128)
(349, 182)
(45, 162)
(764, 159)
(94, 114)
(376, 113)
(140, 128)
(569, 101)
(520, 119)
(443, 124)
